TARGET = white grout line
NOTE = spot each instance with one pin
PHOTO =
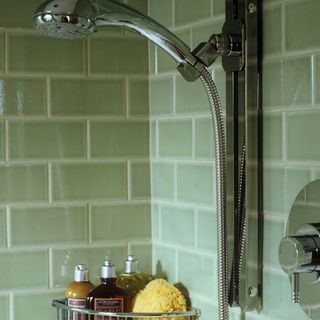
(193, 138)
(11, 306)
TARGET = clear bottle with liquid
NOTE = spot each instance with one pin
(108, 297)
(77, 291)
(132, 280)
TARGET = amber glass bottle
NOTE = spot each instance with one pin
(108, 297)
(76, 293)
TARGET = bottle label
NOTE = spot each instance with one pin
(79, 304)
(108, 305)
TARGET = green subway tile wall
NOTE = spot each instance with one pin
(75, 153)
(74, 158)
(181, 169)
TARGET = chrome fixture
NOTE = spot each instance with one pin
(72, 19)
(299, 251)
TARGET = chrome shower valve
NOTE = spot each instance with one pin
(300, 254)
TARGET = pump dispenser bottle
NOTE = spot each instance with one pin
(132, 280)
(76, 293)
(108, 297)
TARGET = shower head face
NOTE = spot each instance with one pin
(66, 19)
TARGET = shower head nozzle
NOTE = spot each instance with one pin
(67, 19)
(72, 19)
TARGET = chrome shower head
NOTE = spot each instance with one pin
(79, 18)
(65, 19)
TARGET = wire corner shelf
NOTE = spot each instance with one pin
(65, 312)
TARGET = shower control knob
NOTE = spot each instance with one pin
(300, 253)
(295, 254)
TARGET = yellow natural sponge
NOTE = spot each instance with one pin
(159, 296)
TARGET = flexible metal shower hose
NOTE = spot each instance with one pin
(221, 163)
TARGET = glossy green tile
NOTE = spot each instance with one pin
(155, 219)
(195, 184)
(161, 11)
(272, 35)
(203, 269)
(2, 139)
(16, 182)
(118, 222)
(35, 269)
(163, 181)
(3, 233)
(54, 225)
(140, 5)
(138, 97)
(89, 181)
(152, 58)
(64, 260)
(163, 266)
(161, 96)
(119, 55)
(277, 298)
(4, 307)
(37, 53)
(272, 136)
(154, 139)
(119, 139)
(17, 15)
(218, 7)
(22, 96)
(295, 179)
(302, 127)
(47, 139)
(208, 310)
(191, 97)
(25, 304)
(143, 252)
(220, 81)
(165, 62)
(140, 180)
(188, 11)
(296, 86)
(171, 220)
(204, 145)
(1, 52)
(204, 32)
(207, 230)
(272, 84)
(306, 12)
(317, 77)
(175, 138)
(87, 97)
(274, 231)
(273, 189)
